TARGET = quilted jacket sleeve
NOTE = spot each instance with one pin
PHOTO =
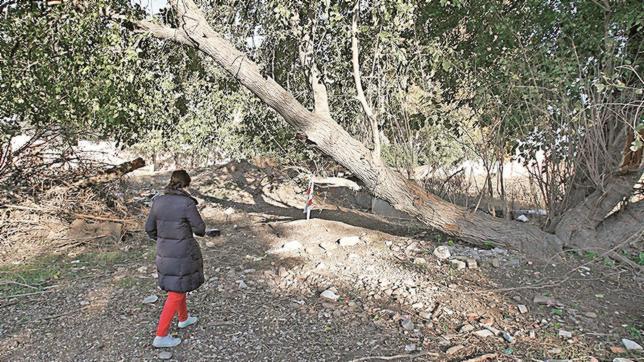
(151, 224)
(196, 222)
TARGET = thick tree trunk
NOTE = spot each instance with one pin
(333, 140)
(579, 225)
(622, 224)
(586, 225)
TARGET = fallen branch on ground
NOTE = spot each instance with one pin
(100, 218)
(77, 242)
(482, 358)
(23, 294)
(111, 174)
(24, 208)
(5, 282)
(398, 356)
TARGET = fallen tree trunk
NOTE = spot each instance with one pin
(330, 138)
(111, 174)
(333, 140)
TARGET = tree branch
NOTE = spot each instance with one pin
(307, 58)
(355, 61)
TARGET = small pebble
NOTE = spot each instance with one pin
(165, 355)
(565, 334)
(150, 299)
(410, 348)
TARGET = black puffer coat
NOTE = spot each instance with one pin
(173, 220)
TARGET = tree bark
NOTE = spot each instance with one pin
(355, 61)
(586, 225)
(307, 58)
(622, 224)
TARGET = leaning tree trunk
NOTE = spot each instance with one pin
(333, 140)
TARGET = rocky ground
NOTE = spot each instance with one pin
(345, 286)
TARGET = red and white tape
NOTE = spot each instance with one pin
(308, 206)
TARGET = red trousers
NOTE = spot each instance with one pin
(175, 304)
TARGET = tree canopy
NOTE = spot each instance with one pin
(416, 83)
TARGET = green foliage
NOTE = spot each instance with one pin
(448, 80)
(488, 245)
(633, 331)
(61, 68)
(590, 255)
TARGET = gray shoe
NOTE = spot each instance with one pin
(166, 342)
(190, 321)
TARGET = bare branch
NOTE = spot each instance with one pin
(162, 32)
(355, 61)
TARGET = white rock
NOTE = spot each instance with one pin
(622, 360)
(457, 264)
(522, 309)
(165, 355)
(417, 306)
(242, 285)
(522, 218)
(442, 252)
(483, 333)
(631, 345)
(229, 211)
(328, 246)
(466, 328)
(287, 247)
(150, 299)
(454, 349)
(507, 337)
(410, 347)
(590, 314)
(349, 241)
(330, 295)
(407, 324)
(142, 269)
(420, 261)
(565, 334)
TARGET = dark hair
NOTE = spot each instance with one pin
(179, 180)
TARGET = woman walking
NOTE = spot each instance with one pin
(173, 220)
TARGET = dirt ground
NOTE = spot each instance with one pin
(83, 301)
